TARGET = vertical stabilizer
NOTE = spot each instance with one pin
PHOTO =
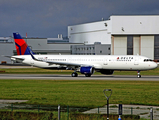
(21, 46)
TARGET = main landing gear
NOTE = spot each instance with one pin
(88, 75)
(74, 74)
(138, 74)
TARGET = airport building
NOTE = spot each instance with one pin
(91, 49)
(50, 45)
(128, 35)
(54, 46)
(118, 35)
(6, 49)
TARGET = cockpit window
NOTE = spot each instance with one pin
(146, 60)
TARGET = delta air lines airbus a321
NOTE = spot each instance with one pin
(85, 64)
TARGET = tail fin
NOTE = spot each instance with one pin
(21, 46)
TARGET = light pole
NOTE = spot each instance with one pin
(109, 91)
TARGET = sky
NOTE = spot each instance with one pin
(48, 18)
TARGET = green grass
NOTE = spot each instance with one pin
(23, 115)
(80, 93)
(46, 71)
(33, 71)
(32, 115)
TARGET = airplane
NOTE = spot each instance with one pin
(85, 64)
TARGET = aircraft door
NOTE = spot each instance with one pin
(69, 59)
(105, 61)
(136, 62)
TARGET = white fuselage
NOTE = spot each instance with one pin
(109, 62)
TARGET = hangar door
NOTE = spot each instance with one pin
(119, 45)
(147, 46)
(156, 47)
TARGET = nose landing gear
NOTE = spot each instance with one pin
(138, 74)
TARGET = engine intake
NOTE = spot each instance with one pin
(87, 70)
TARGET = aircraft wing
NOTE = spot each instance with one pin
(68, 64)
(63, 63)
(60, 63)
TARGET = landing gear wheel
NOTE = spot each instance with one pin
(74, 74)
(138, 74)
(88, 75)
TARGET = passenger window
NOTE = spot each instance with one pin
(145, 60)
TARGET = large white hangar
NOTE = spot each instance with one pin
(128, 35)
(90, 33)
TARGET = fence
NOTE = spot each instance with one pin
(66, 111)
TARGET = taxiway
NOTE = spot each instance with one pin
(80, 77)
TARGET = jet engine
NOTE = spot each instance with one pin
(87, 70)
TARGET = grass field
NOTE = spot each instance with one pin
(46, 71)
(80, 93)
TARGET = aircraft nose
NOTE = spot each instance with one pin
(155, 65)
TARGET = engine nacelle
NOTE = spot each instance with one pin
(107, 72)
(87, 70)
